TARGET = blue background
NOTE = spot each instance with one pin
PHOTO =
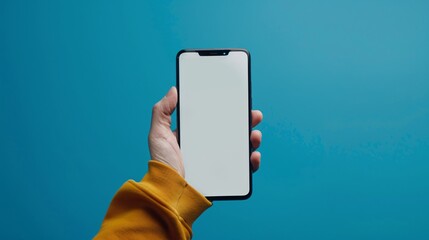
(344, 87)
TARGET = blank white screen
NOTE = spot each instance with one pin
(214, 122)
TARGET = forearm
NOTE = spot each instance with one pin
(161, 206)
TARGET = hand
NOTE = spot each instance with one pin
(163, 145)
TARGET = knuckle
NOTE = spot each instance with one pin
(156, 107)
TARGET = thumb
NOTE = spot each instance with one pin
(163, 109)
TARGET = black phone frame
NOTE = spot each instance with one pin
(221, 52)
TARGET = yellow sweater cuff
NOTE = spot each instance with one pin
(174, 191)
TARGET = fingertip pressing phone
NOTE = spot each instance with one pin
(214, 121)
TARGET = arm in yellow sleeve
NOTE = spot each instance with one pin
(161, 206)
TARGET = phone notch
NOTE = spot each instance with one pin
(214, 52)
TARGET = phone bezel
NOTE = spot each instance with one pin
(220, 52)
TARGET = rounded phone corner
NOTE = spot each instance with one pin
(245, 51)
(180, 53)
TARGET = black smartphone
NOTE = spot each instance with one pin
(214, 121)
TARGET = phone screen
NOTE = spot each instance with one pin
(214, 119)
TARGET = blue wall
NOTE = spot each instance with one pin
(344, 86)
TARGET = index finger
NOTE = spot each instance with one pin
(256, 117)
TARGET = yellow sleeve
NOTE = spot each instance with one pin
(162, 206)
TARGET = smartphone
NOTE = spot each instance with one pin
(214, 121)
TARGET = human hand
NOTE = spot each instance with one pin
(163, 145)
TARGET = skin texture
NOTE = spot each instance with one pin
(163, 145)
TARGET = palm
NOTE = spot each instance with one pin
(164, 147)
